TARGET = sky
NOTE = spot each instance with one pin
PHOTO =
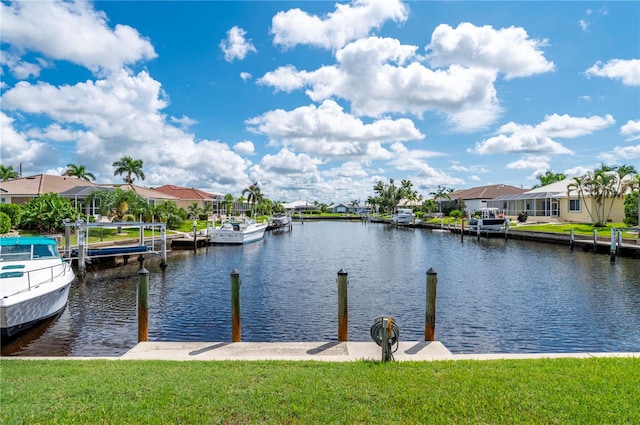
(320, 100)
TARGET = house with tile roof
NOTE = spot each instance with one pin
(187, 196)
(23, 189)
(478, 197)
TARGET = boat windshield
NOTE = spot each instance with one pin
(27, 252)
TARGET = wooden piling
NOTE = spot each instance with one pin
(430, 316)
(462, 231)
(236, 331)
(571, 239)
(82, 266)
(143, 304)
(343, 311)
(163, 247)
(612, 252)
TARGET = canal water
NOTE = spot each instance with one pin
(493, 295)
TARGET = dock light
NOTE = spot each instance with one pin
(386, 334)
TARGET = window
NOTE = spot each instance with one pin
(574, 205)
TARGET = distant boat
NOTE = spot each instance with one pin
(402, 216)
(238, 230)
(34, 282)
(490, 219)
(280, 221)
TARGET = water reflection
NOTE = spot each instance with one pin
(493, 295)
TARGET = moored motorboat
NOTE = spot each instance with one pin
(402, 216)
(34, 282)
(238, 230)
(490, 219)
(280, 221)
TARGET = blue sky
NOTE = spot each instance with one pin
(320, 100)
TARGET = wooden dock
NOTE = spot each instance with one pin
(188, 242)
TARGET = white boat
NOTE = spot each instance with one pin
(34, 282)
(490, 219)
(238, 230)
(280, 221)
(402, 216)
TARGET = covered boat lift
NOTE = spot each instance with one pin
(83, 253)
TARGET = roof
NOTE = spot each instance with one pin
(556, 187)
(42, 183)
(486, 192)
(143, 191)
(185, 193)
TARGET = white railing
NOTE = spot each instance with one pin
(35, 277)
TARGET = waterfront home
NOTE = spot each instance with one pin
(554, 203)
(476, 198)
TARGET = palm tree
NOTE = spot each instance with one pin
(549, 177)
(79, 171)
(253, 195)
(228, 203)
(8, 173)
(441, 193)
(130, 167)
(604, 185)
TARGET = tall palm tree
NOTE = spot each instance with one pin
(441, 193)
(253, 195)
(603, 185)
(8, 173)
(130, 167)
(79, 171)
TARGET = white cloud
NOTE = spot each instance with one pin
(584, 25)
(631, 130)
(244, 148)
(121, 116)
(52, 28)
(619, 154)
(350, 169)
(328, 130)
(348, 22)
(618, 69)
(184, 122)
(17, 148)
(566, 126)
(246, 76)
(524, 138)
(507, 50)
(531, 162)
(380, 76)
(235, 46)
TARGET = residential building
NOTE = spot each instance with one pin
(554, 202)
(188, 196)
(478, 197)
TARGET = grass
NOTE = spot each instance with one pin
(542, 391)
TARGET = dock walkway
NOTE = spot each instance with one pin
(324, 351)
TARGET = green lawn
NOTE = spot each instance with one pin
(544, 391)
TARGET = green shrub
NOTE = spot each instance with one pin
(14, 211)
(45, 213)
(456, 213)
(5, 223)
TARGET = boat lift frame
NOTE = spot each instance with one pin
(82, 229)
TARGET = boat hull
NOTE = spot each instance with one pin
(24, 310)
(488, 224)
(225, 236)
(404, 216)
